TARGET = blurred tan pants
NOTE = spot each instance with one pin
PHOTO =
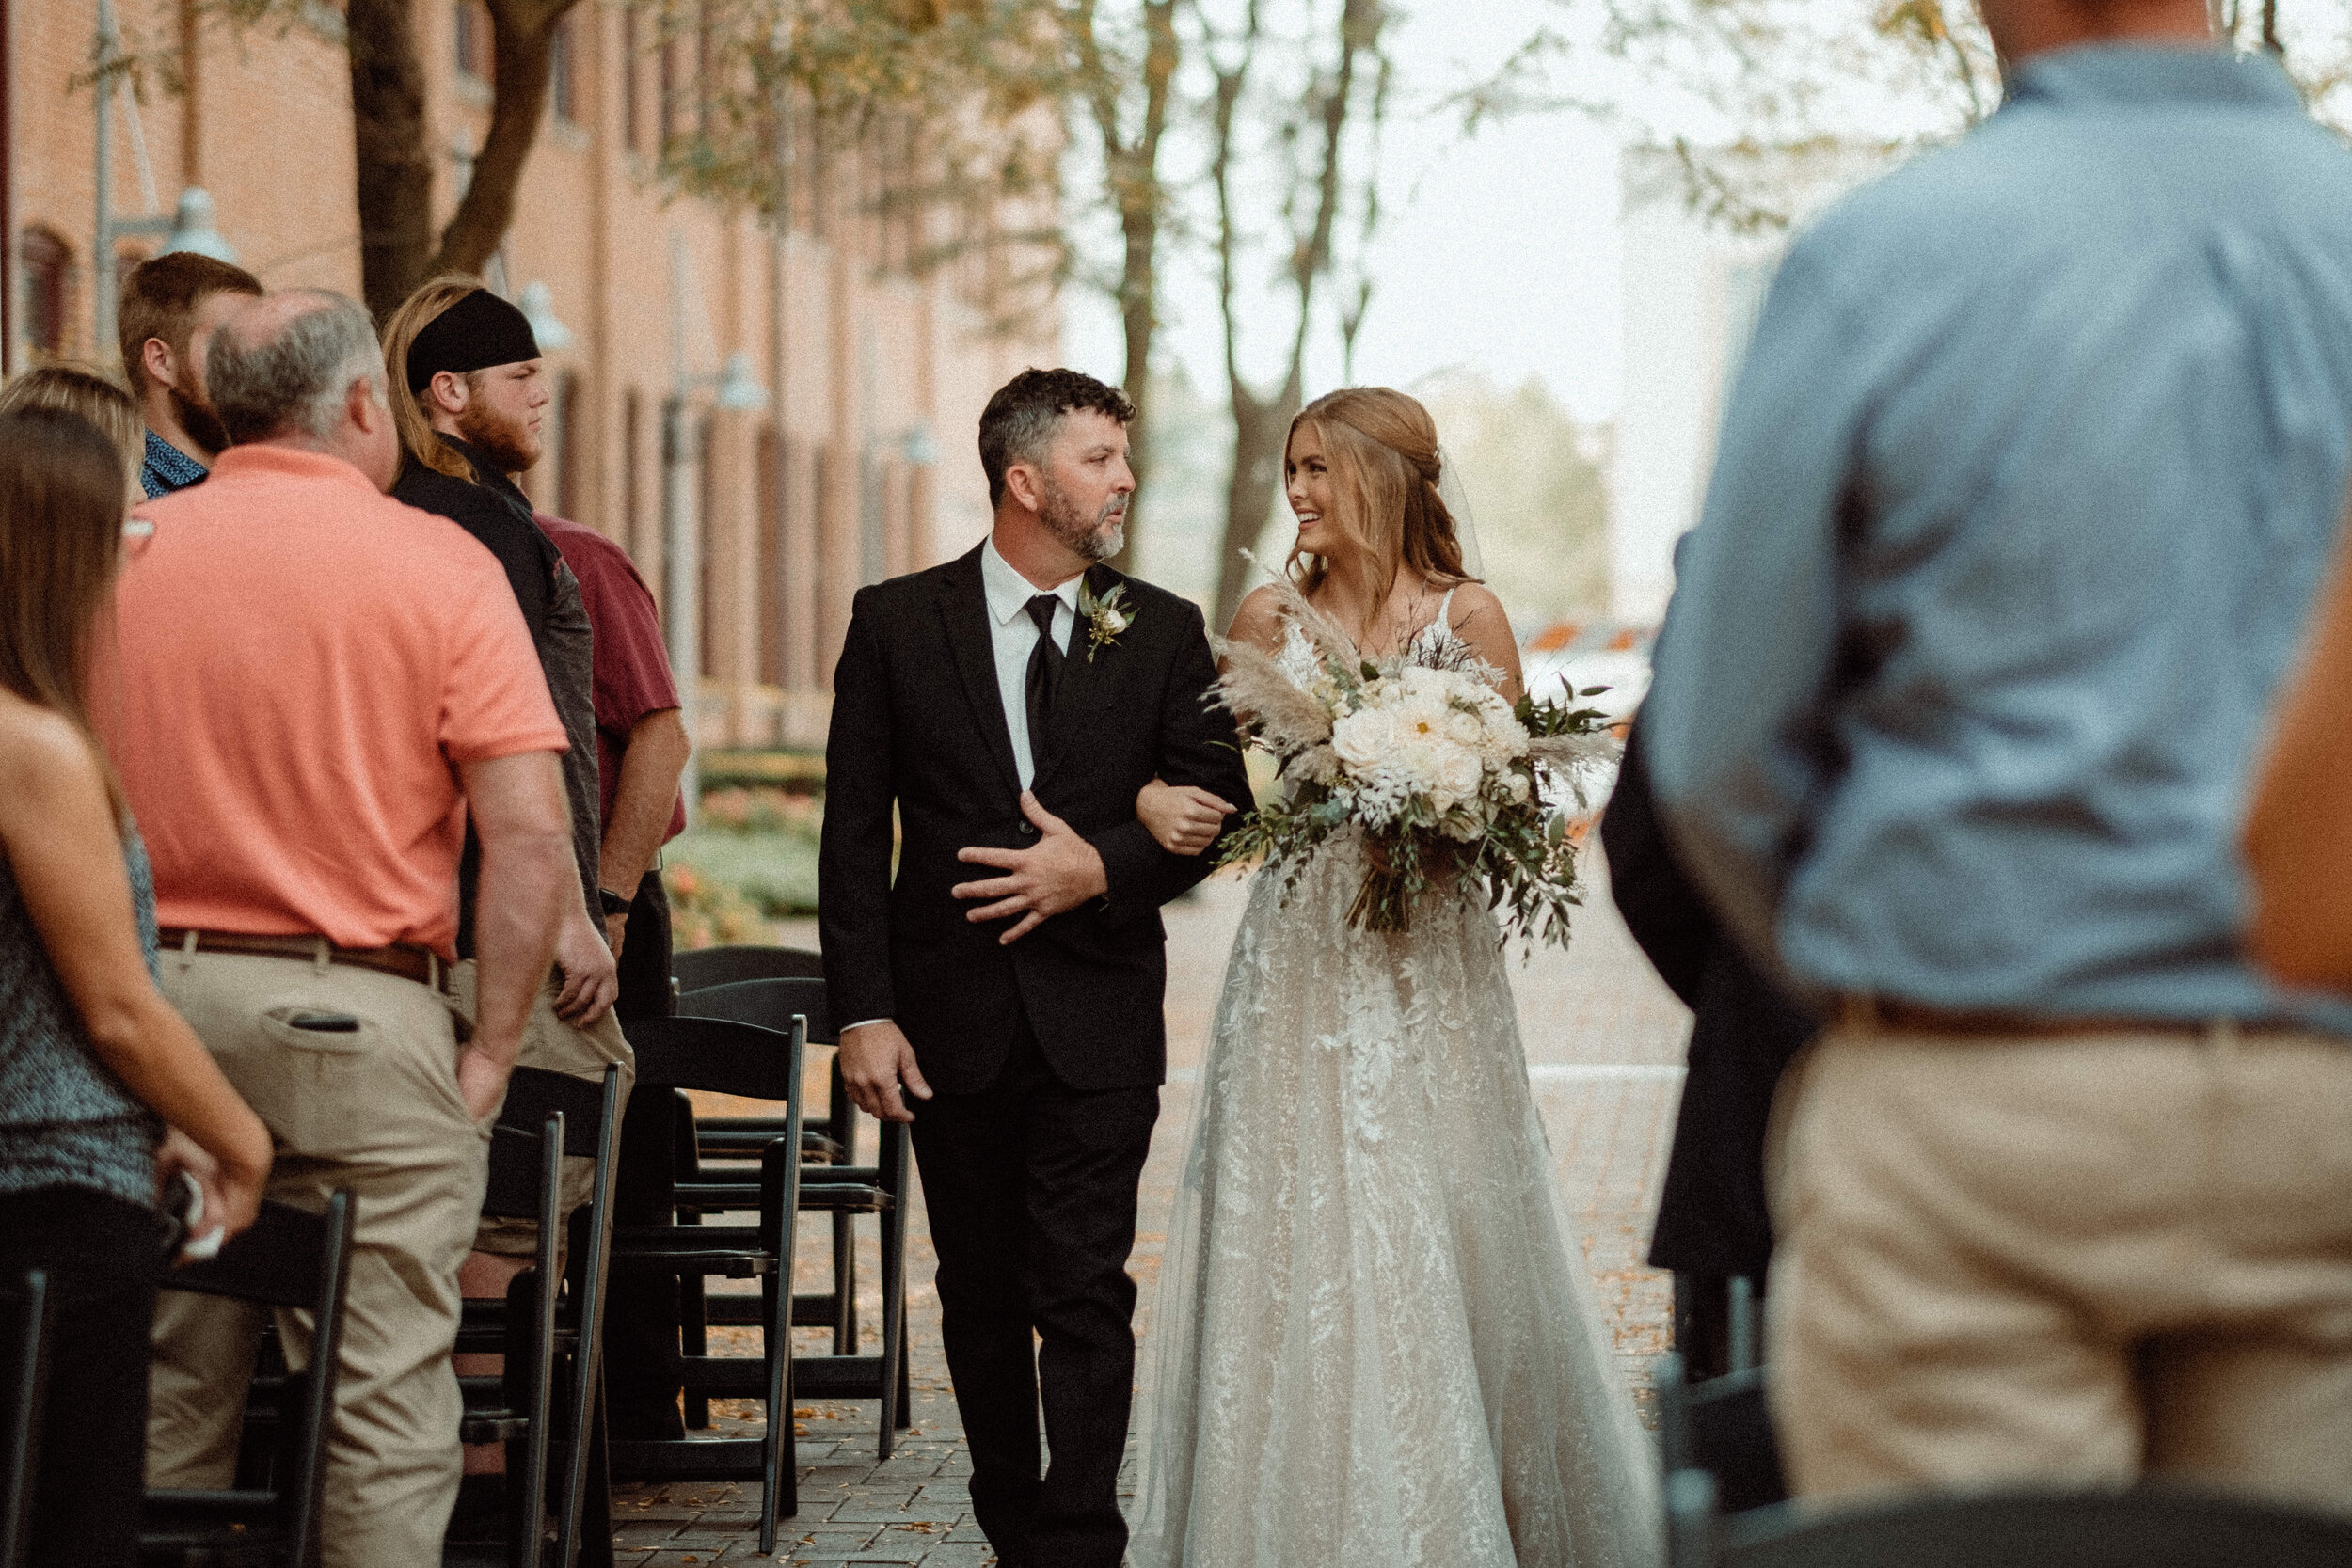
(376, 1109)
(2065, 1260)
(551, 1044)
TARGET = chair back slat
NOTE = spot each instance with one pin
(770, 1003)
(534, 1093)
(698, 969)
(306, 1490)
(274, 1261)
(1729, 1430)
(716, 1055)
(516, 1163)
(24, 1377)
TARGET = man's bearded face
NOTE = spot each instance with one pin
(1098, 537)
(197, 418)
(507, 440)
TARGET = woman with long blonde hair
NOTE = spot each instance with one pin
(1374, 1345)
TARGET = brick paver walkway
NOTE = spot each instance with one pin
(1604, 1047)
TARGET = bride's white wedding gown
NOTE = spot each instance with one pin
(1373, 1343)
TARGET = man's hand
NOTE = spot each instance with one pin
(1062, 872)
(615, 933)
(482, 1074)
(592, 976)
(875, 1060)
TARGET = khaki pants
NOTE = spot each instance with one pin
(2066, 1260)
(376, 1109)
(550, 1043)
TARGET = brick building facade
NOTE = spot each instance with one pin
(861, 466)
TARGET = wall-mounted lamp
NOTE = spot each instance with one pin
(537, 304)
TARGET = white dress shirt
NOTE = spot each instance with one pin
(1014, 636)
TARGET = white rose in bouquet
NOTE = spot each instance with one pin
(1455, 776)
(1362, 738)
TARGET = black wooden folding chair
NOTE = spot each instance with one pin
(718, 1056)
(514, 1407)
(290, 1257)
(843, 1189)
(830, 1141)
(543, 1405)
(23, 1386)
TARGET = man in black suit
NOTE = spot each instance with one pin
(1012, 704)
(1713, 1223)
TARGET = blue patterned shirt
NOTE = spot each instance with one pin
(2021, 496)
(168, 469)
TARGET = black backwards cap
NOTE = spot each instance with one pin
(477, 332)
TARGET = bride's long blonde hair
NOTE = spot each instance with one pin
(1382, 449)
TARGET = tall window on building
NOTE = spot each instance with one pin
(703, 72)
(771, 483)
(48, 274)
(705, 497)
(471, 33)
(568, 457)
(632, 475)
(563, 74)
(633, 67)
(666, 112)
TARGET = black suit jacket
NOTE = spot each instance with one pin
(918, 724)
(1712, 1217)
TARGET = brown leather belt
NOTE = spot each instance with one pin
(402, 960)
(1874, 1013)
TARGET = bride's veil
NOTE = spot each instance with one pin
(1455, 494)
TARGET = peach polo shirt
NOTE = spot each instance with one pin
(299, 663)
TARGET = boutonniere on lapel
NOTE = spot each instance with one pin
(1106, 618)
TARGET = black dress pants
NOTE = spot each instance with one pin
(100, 1254)
(640, 1344)
(1032, 1190)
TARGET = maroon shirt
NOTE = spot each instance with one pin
(632, 665)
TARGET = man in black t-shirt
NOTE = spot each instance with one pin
(468, 391)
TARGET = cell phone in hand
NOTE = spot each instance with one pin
(186, 1239)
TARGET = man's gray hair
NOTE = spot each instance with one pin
(296, 378)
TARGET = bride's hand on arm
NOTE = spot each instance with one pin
(1182, 819)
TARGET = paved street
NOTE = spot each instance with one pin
(1604, 1043)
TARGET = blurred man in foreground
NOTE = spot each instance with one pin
(1954, 711)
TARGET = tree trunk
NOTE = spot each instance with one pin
(521, 35)
(1132, 172)
(1260, 431)
(1261, 425)
(395, 183)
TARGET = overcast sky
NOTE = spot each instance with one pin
(1498, 253)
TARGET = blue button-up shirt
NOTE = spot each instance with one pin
(2022, 495)
(168, 469)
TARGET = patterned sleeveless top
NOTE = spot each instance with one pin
(64, 1118)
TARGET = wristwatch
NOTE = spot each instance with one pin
(614, 903)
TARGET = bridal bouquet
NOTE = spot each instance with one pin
(1445, 778)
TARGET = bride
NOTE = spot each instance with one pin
(1373, 1344)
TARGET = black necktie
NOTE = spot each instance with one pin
(1044, 674)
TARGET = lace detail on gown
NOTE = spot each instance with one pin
(1373, 1344)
